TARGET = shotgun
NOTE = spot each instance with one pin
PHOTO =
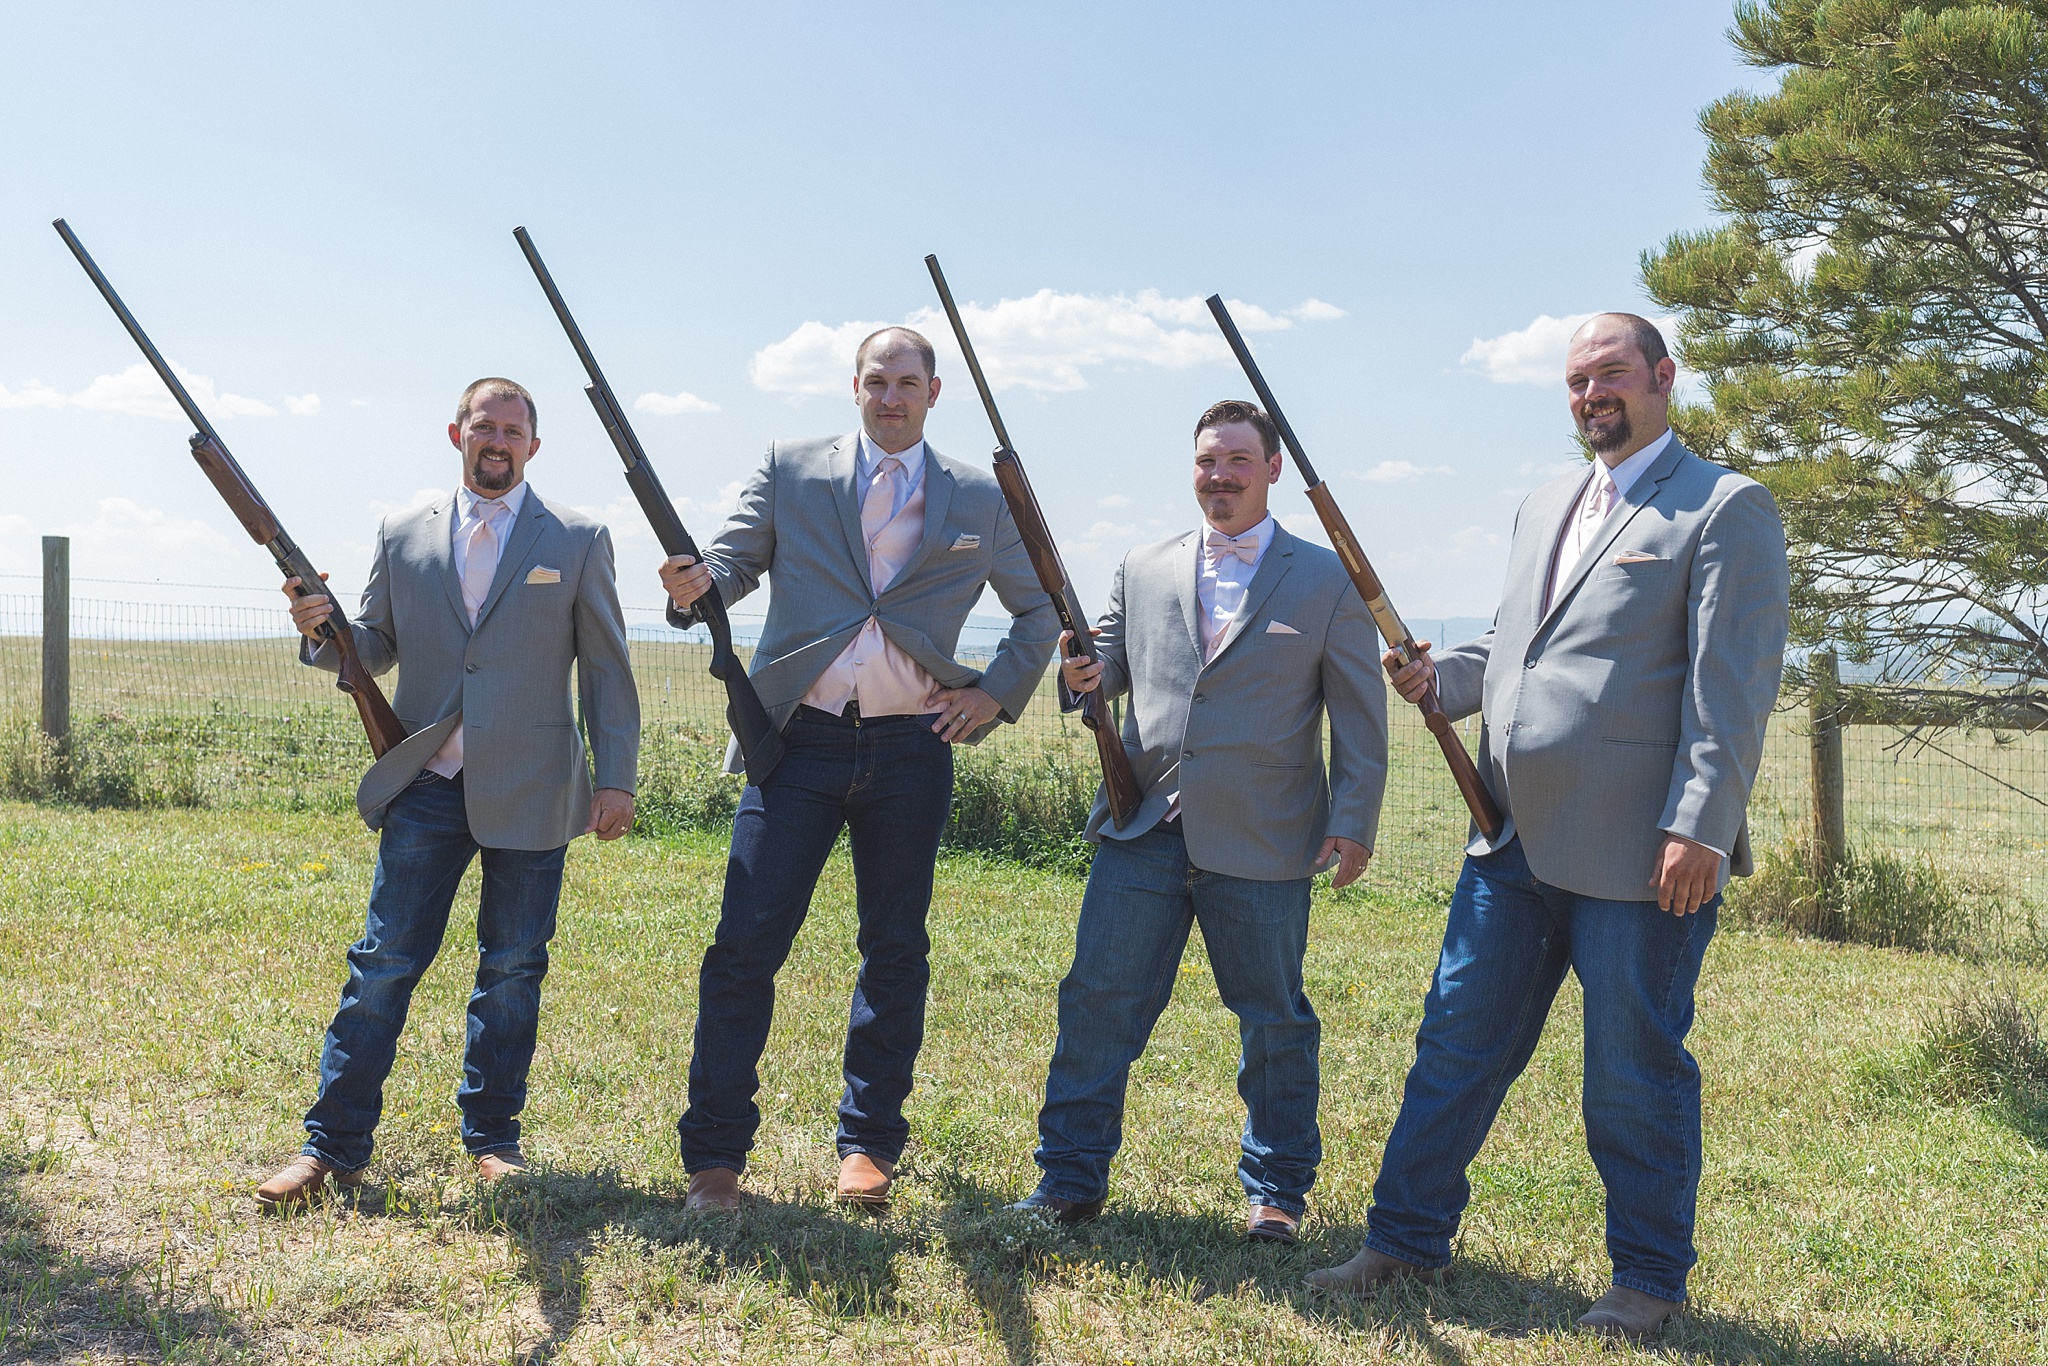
(1118, 781)
(379, 721)
(1470, 786)
(760, 744)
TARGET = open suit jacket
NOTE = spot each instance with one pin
(799, 520)
(526, 782)
(1636, 705)
(1241, 737)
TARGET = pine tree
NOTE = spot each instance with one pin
(1871, 321)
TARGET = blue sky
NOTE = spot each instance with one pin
(311, 207)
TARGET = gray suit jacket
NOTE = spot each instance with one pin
(1637, 705)
(799, 520)
(1241, 738)
(526, 782)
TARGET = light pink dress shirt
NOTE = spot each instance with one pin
(873, 670)
(447, 760)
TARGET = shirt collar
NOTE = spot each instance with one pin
(466, 500)
(1628, 471)
(1263, 532)
(871, 457)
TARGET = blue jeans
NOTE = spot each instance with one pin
(425, 850)
(1506, 947)
(1143, 896)
(889, 782)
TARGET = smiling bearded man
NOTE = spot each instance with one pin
(1625, 685)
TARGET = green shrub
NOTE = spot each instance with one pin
(1029, 808)
(682, 783)
(1882, 899)
(109, 761)
(1988, 1043)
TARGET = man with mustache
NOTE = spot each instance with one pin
(486, 598)
(1232, 642)
(879, 547)
(1625, 684)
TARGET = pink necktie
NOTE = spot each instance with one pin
(879, 507)
(1245, 547)
(480, 562)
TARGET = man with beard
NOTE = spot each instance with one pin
(879, 547)
(1625, 684)
(1232, 641)
(486, 598)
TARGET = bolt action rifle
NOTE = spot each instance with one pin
(760, 744)
(1368, 584)
(1118, 781)
(379, 721)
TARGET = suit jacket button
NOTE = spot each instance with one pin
(1187, 754)
(1530, 665)
(469, 668)
(1200, 697)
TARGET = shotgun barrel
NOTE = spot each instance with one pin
(380, 723)
(1119, 782)
(760, 743)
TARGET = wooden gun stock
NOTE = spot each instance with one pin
(1395, 631)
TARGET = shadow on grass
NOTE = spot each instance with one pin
(1004, 1257)
(578, 1232)
(55, 1301)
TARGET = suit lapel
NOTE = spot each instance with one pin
(525, 531)
(440, 525)
(938, 497)
(1187, 565)
(1273, 567)
(844, 466)
(1632, 502)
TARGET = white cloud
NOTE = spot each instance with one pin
(1535, 354)
(671, 405)
(1114, 500)
(1042, 342)
(1399, 472)
(305, 405)
(137, 392)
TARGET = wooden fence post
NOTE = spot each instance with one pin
(57, 639)
(1830, 832)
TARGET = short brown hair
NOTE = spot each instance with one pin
(1237, 410)
(493, 386)
(915, 340)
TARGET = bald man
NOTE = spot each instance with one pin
(879, 547)
(1625, 685)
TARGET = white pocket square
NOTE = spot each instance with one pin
(967, 542)
(540, 573)
(1636, 557)
(1280, 628)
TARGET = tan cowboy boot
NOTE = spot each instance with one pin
(302, 1181)
(1368, 1269)
(713, 1190)
(1629, 1314)
(865, 1180)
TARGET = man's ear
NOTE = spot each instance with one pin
(1667, 375)
(455, 435)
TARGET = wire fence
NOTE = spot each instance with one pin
(211, 701)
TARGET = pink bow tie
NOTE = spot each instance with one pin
(1245, 547)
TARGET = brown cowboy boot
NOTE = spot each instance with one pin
(302, 1181)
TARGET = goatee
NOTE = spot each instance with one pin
(487, 479)
(1611, 438)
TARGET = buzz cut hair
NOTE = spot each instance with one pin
(914, 340)
(496, 386)
(1237, 410)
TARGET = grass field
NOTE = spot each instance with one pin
(165, 975)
